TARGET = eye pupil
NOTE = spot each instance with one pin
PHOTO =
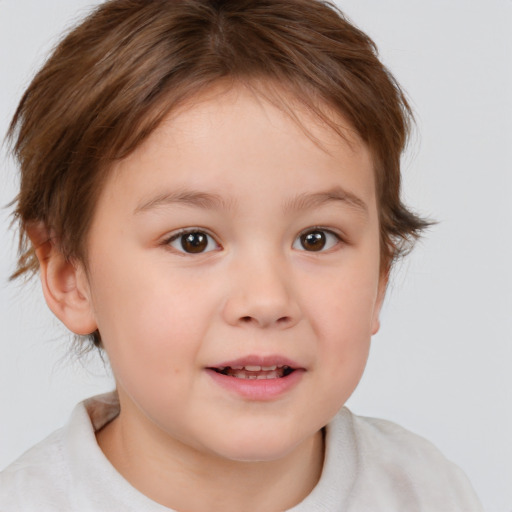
(313, 241)
(194, 242)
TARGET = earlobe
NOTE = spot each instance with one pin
(65, 285)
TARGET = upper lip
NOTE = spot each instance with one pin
(259, 360)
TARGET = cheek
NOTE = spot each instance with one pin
(342, 318)
(344, 334)
(343, 302)
(150, 319)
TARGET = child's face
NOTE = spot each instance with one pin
(229, 238)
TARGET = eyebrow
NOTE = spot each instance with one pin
(210, 201)
(335, 194)
(204, 200)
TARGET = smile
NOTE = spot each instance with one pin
(257, 378)
(254, 372)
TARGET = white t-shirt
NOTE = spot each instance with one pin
(370, 465)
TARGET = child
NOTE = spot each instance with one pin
(210, 194)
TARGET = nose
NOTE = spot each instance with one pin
(262, 294)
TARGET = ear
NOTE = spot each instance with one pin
(65, 284)
(381, 294)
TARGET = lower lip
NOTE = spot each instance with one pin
(257, 389)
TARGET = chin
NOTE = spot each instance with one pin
(259, 448)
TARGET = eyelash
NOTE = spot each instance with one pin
(190, 231)
(318, 229)
(209, 240)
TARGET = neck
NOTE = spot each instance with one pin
(182, 478)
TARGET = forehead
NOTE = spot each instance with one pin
(258, 102)
(226, 132)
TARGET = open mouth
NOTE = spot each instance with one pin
(255, 372)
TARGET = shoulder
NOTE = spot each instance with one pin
(34, 481)
(44, 478)
(401, 468)
(68, 472)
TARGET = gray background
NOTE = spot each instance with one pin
(441, 364)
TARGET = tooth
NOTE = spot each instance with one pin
(252, 377)
(237, 367)
(261, 377)
(253, 368)
(268, 368)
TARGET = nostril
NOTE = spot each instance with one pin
(266, 320)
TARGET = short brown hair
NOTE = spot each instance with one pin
(112, 80)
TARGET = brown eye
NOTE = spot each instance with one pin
(316, 240)
(193, 242)
(313, 241)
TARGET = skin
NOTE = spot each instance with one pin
(166, 315)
